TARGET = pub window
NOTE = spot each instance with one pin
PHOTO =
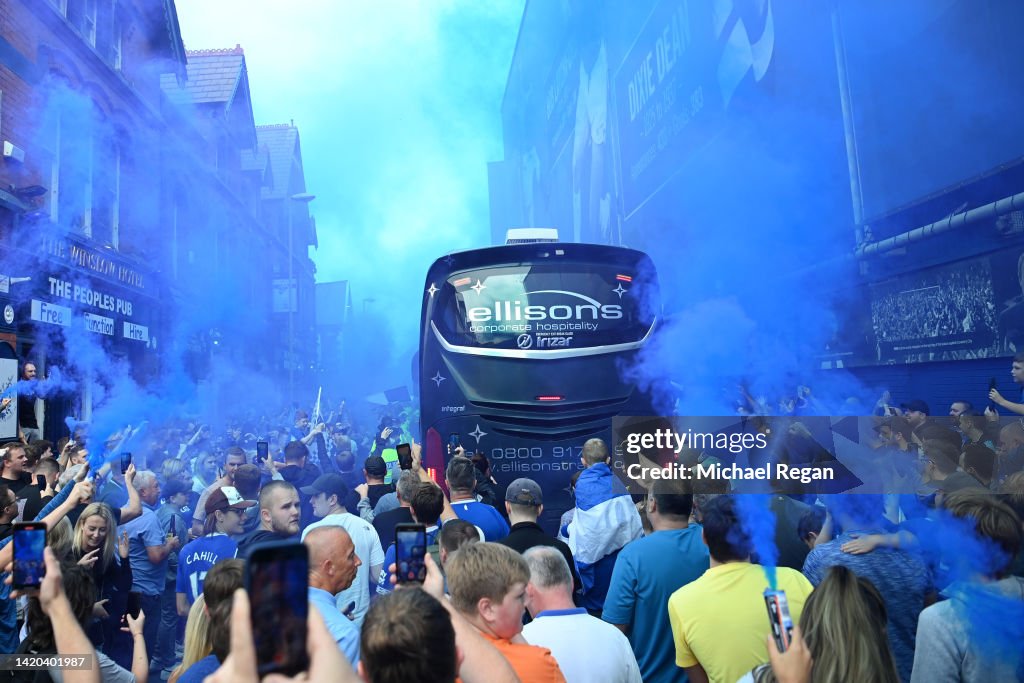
(72, 170)
(82, 15)
(174, 238)
(115, 41)
(74, 10)
(106, 191)
(89, 22)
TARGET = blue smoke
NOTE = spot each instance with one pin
(758, 524)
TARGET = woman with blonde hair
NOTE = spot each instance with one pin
(843, 629)
(93, 546)
(197, 638)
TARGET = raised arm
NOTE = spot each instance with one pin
(998, 398)
(447, 513)
(133, 509)
(67, 632)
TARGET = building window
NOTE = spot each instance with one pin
(74, 10)
(54, 198)
(85, 176)
(106, 192)
(72, 165)
(87, 161)
(174, 239)
(82, 15)
(89, 22)
(115, 41)
(61, 5)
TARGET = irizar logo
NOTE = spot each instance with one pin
(524, 341)
(553, 342)
(516, 311)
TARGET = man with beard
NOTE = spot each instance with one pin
(279, 517)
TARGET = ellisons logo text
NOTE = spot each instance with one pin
(514, 311)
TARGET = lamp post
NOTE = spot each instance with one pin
(293, 290)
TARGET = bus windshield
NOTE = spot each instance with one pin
(541, 306)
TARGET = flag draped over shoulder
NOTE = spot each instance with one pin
(604, 521)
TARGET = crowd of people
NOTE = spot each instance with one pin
(146, 558)
(939, 305)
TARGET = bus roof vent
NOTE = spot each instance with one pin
(530, 235)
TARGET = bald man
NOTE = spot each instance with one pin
(332, 568)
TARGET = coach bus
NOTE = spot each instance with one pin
(522, 351)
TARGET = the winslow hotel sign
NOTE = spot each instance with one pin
(65, 249)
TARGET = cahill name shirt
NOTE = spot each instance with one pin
(197, 557)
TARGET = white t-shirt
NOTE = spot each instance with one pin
(370, 554)
(586, 648)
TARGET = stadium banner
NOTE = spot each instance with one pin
(950, 312)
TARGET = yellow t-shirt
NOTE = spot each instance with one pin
(721, 621)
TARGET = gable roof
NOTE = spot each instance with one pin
(215, 75)
(281, 141)
(258, 161)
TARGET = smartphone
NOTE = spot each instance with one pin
(276, 577)
(404, 456)
(262, 450)
(453, 443)
(778, 615)
(29, 542)
(410, 550)
(41, 481)
(126, 460)
(134, 605)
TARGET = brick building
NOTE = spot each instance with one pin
(286, 213)
(132, 199)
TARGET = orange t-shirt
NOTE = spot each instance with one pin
(533, 664)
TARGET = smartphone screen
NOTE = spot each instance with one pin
(40, 481)
(134, 605)
(404, 456)
(262, 449)
(126, 460)
(29, 542)
(410, 549)
(276, 577)
(453, 443)
(778, 615)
